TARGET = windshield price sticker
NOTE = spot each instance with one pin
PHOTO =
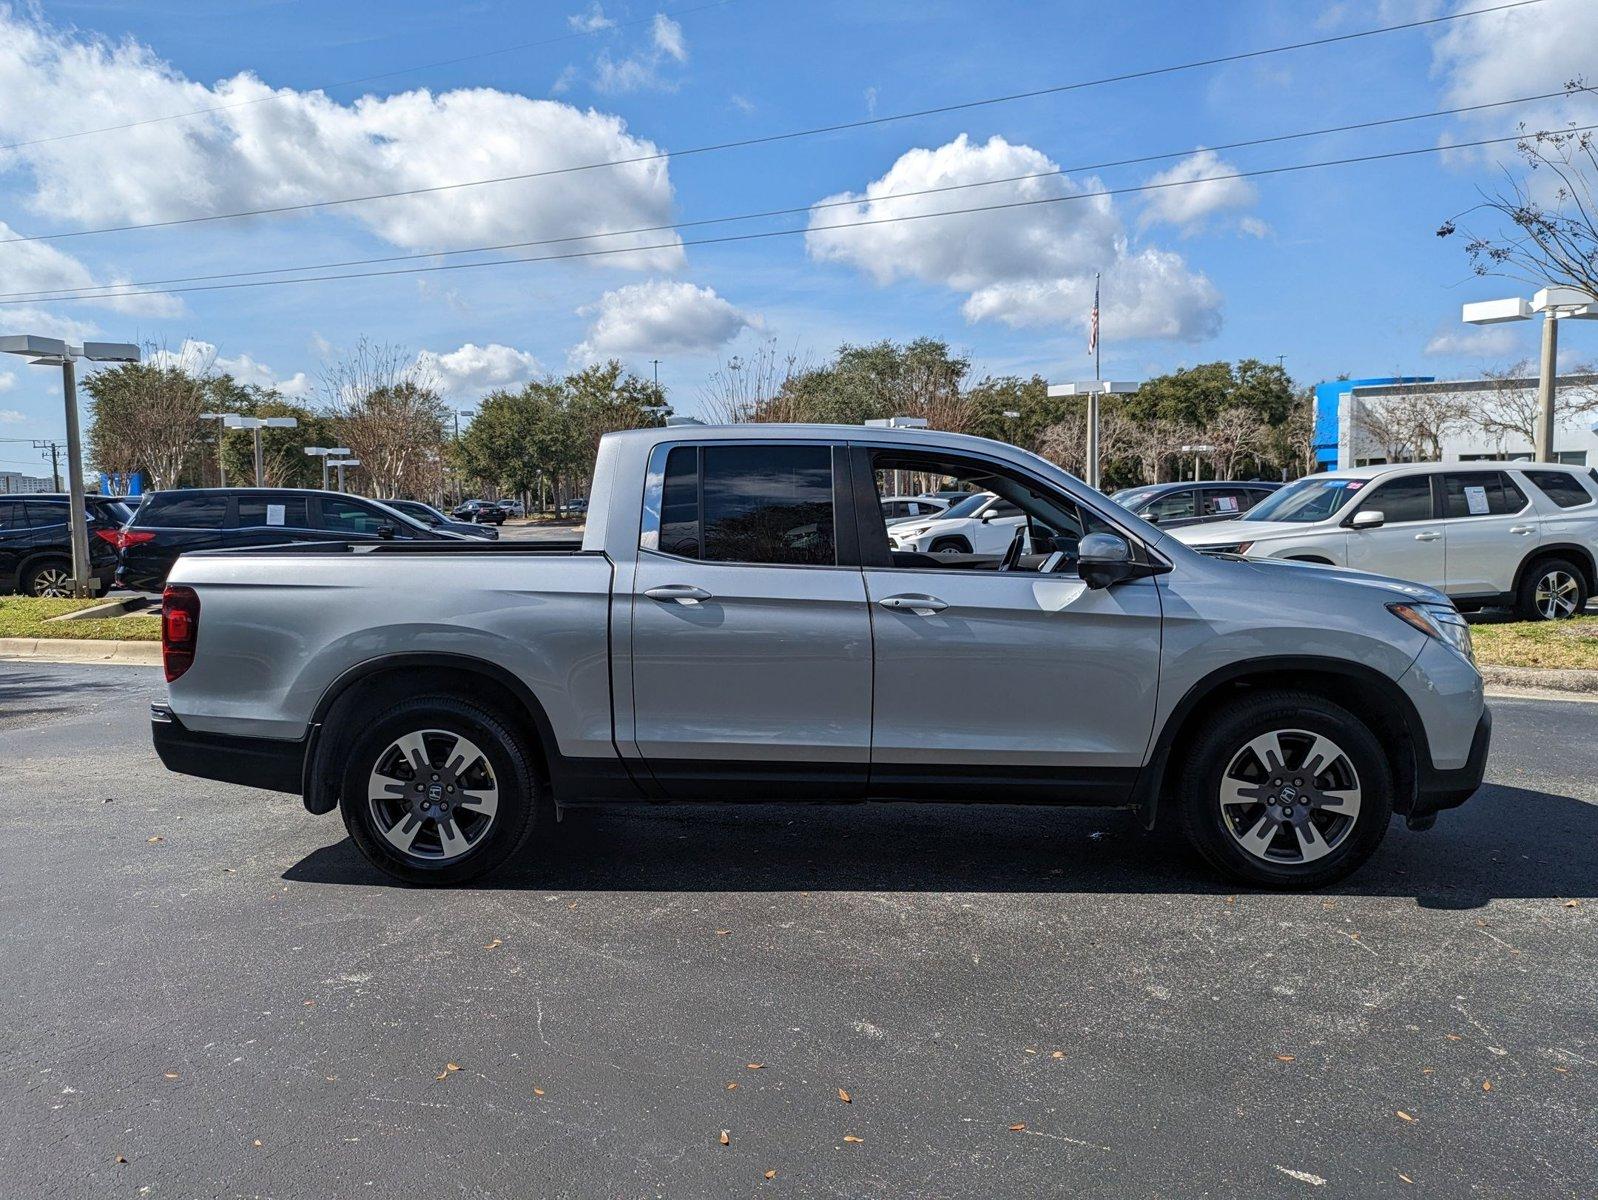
(274, 514)
(1476, 501)
(1226, 504)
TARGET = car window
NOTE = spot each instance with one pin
(345, 516)
(115, 512)
(1173, 506)
(41, 514)
(268, 511)
(1407, 498)
(1562, 488)
(1480, 494)
(1312, 499)
(899, 508)
(177, 511)
(1253, 496)
(13, 515)
(768, 505)
(1222, 503)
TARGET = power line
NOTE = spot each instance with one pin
(767, 139)
(443, 62)
(111, 290)
(773, 233)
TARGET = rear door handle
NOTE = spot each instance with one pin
(1522, 529)
(923, 606)
(682, 593)
(1428, 536)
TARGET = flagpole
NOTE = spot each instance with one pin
(1093, 396)
(1096, 373)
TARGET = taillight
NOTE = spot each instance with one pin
(180, 628)
(133, 537)
(114, 536)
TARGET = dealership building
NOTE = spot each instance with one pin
(1341, 442)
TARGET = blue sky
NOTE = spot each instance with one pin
(1337, 270)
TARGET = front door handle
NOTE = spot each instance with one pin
(1428, 536)
(682, 593)
(1522, 529)
(922, 606)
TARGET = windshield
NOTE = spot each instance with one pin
(1312, 499)
(966, 507)
(1130, 498)
(405, 519)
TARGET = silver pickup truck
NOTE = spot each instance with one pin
(737, 624)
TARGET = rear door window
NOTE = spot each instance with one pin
(769, 505)
(1563, 488)
(1222, 503)
(287, 511)
(1480, 494)
(41, 514)
(1408, 498)
(177, 511)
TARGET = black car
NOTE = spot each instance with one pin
(169, 523)
(480, 511)
(1171, 505)
(36, 542)
(433, 519)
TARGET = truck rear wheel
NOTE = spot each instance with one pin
(438, 790)
(1285, 789)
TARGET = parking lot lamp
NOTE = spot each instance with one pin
(322, 452)
(53, 352)
(1556, 304)
(255, 425)
(340, 464)
(221, 458)
(1092, 389)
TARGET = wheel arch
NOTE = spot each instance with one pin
(1394, 722)
(1574, 551)
(37, 558)
(392, 678)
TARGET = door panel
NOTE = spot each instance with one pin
(1490, 526)
(1411, 544)
(1016, 670)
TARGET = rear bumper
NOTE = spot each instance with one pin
(272, 763)
(1437, 789)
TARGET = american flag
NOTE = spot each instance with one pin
(1093, 320)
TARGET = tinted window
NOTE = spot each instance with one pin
(177, 511)
(768, 504)
(899, 508)
(288, 511)
(1563, 489)
(1480, 494)
(41, 514)
(1225, 502)
(679, 504)
(345, 516)
(12, 514)
(969, 505)
(1170, 507)
(1406, 499)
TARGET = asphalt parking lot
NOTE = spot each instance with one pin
(209, 994)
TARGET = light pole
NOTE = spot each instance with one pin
(53, 352)
(221, 459)
(1556, 304)
(1093, 389)
(340, 464)
(322, 452)
(255, 425)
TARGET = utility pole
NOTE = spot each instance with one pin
(655, 362)
(55, 460)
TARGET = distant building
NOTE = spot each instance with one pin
(1341, 442)
(12, 482)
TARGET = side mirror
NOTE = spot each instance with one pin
(1367, 518)
(1104, 559)
(385, 531)
(986, 517)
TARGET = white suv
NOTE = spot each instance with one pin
(1489, 534)
(982, 523)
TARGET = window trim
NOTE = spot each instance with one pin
(1434, 481)
(845, 542)
(1440, 499)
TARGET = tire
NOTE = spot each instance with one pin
(48, 577)
(1553, 589)
(1308, 844)
(469, 842)
(951, 545)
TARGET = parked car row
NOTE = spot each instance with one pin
(488, 511)
(36, 542)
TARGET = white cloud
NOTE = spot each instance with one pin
(474, 370)
(271, 147)
(668, 38)
(659, 317)
(10, 416)
(643, 69)
(1029, 266)
(1193, 191)
(41, 267)
(46, 323)
(1494, 341)
(202, 357)
(7, 381)
(591, 20)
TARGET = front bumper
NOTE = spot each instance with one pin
(1437, 788)
(274, 764)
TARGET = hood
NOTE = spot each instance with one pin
(1226, 533)
(1274, 572)
(922, 526)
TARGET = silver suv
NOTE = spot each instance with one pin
(737, 624)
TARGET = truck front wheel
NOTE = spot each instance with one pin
(1285, 789)
(438, 790)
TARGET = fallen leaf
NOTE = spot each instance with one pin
(1030, 1050)
(844, 1096)
(1405, 1178)
(771, 1174)
(1572, 903)
(1404, 1116)
(849, 1137)
(1018, 1127)
(1486, 1085)
(726, 1138)
(155, 839)
(494, 945)
(754, 1066)
(1563, 1070)
(1453, 1037)
(257, 1141)
(732, 1087)
(331, 1078)
(1231, 899)
(1284, 1058)
(229, 871)
(723, 932)
(573, 904)
(451, 1067)
(442, 1075)
(310, 1004)
(1058, 1054)
(171, 1074)
(120, 1159)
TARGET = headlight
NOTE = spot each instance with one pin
(1441, 621)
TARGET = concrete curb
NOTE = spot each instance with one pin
(111, 608)
(1541, 679)
(82, 650)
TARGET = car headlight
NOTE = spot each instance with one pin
(1441, 621)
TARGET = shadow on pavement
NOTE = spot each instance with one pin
(1506, 843)
(28, 692)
